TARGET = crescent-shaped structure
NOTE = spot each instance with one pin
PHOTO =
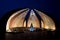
(17, 19)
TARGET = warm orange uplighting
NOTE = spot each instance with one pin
(24, 23)
(18, 20)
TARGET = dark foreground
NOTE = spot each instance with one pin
(42, 35)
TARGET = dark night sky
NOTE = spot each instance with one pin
(50, 7)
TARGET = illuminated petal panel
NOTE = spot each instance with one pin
(42, 24)
(24, 23)
(33, 20)
(48, 22)
(17, 19)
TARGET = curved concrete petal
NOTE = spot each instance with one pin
(33, 20)
(17, 19)
(48, 22)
